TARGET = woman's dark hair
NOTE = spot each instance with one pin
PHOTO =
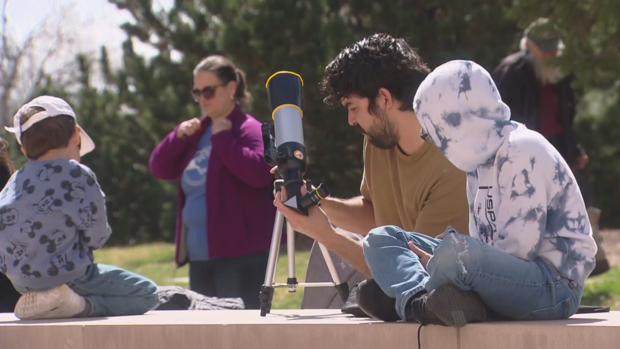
(377, 61)
(226, 71)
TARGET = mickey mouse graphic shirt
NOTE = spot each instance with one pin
(52, 216)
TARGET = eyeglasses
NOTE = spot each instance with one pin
(426, 137)
(206, 92)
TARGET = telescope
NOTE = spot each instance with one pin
(287, 151)
(286, 98)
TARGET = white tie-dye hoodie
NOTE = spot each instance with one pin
(523, 197)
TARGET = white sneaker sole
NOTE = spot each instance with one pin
(56, 303)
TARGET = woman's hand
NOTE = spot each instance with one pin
(188, 128)
(220, 125)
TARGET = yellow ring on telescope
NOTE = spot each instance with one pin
(284, 72)
(319, 195)
(273, 114)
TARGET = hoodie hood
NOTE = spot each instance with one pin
(461, 110)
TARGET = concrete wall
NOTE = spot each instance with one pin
(300, 329)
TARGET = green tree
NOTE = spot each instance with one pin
(592, 39)
(591, 33)
(139, 207)
(263, 37)
(599, 134)
(141, 102)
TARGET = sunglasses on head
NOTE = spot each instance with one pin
(206, 92)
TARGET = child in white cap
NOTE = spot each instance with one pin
(52, 218)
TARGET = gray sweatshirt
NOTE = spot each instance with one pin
(52, 216)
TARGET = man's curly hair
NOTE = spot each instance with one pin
(377, 61)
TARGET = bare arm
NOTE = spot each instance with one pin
(355, 215)
(346, 248)
(318, 226)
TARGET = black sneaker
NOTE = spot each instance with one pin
(417, 311)
(350, 306)
(374, 302)
(454, 307)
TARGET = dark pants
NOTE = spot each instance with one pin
(230, 277)
(8, 295)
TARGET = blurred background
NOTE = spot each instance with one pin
(125, 66)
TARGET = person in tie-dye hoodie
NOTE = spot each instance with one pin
(530, 245)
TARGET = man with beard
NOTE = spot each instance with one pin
(406, 182)
(541, 97)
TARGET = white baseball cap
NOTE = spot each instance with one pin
(53, 106)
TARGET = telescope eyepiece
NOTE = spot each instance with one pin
(314, 197)
(322, 191)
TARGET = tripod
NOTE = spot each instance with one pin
(266, 293)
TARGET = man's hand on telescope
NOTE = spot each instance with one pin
(274, 169)
(313, 225)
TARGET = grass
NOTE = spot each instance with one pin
(603, 290)
(156, 261)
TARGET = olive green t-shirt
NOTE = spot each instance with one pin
(422, 192)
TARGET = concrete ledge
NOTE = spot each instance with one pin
(299, 329)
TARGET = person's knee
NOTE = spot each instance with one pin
(150, 296)
(152, 301)
(375, 243)
(454, 254)
(380, 237)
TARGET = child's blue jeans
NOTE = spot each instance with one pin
(112, 291)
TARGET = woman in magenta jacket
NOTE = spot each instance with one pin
(225, 212)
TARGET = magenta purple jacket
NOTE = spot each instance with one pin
(238, 190)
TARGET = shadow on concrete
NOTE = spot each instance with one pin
(52, 321)
(568, 322)
(294, 317)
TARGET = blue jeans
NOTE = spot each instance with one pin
(511, 287)
(112, 291)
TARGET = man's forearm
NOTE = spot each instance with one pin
(351, 251)
(355, 215)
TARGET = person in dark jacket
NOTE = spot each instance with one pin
(8, 294)
(225, 211)
(540, 96)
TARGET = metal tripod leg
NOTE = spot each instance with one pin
(341, 288)
(290, 254)
(266, 293)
